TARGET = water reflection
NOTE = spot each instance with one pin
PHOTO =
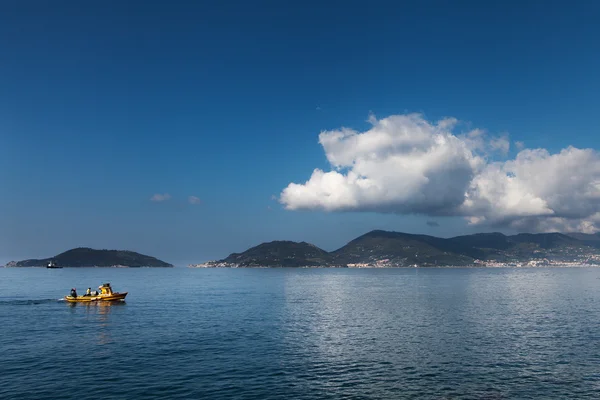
(311, 334)
(99, 314)
(97, 307)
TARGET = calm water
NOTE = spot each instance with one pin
(302, 334)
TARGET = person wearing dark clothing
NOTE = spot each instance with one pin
(73, 292)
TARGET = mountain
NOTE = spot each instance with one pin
(280, 254)
(397, 249)
(527, 246)
(591, 239)
(404, 249)
(86, 257)
(494, 240)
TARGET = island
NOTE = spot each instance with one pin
(396, 249)
(87, 257)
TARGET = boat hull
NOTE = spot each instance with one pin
(100, 297)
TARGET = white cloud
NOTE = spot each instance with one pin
(539, 191)
(519, 145)
(402, 164)
(406, 164)
(160, 197)
(194, 200)
(501, 144)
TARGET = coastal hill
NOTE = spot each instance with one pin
(86, 257)
(281, 254)
(396, 249)
(404, 249)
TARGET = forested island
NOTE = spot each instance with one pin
(87, 257)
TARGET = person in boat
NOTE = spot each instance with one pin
(105, 289)
(73, 292)
(88, 292)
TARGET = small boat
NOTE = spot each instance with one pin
(105, 294)
(52, 264)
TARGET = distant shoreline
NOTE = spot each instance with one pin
(412, 267)
(557, 266)
(86, 266)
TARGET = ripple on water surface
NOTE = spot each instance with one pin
(303, 334)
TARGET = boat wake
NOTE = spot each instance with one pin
(27, 302)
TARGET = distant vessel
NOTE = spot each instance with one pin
(52, 264)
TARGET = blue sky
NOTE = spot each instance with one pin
(105, 104)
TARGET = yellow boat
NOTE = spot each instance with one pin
(105, 294)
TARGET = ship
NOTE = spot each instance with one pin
(52, 264)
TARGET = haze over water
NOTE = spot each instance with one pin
(302, 334)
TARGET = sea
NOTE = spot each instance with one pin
(412, 333)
